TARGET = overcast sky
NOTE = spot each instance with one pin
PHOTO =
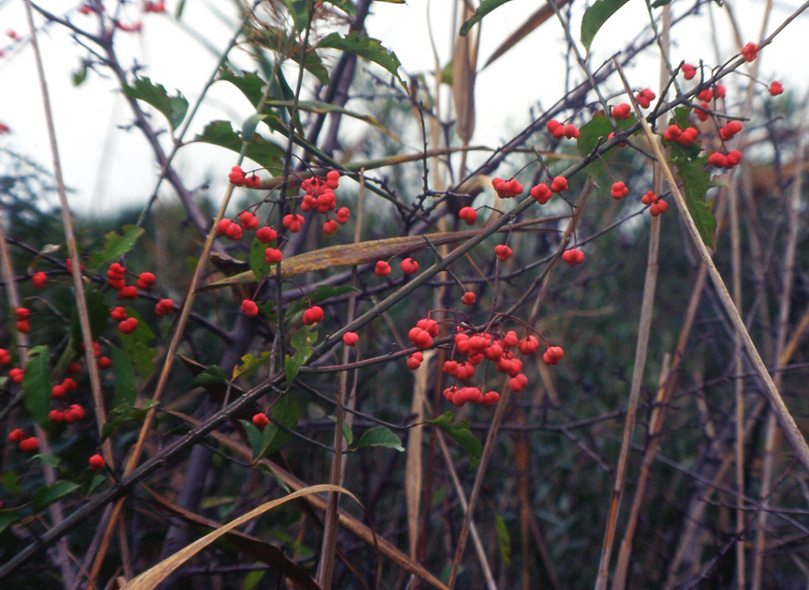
(108, 166)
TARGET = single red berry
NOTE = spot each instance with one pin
(776, 88)
(688, 71)
(74, 413)
(23, 327)
(236, 176)
(703, 115)
(571, 132)
(22, 313)
(128, 326)
(104, 363)
(16, 435)
(750, 51)
(16, 375)
(343, 215)
(252, 181)
(559, 184)
(553, 124)
(96, 462)
(468, 298)
(517, 382)
(39, 280)
(469, 215)
(553, 355)
(57, 391)
(266, 234)
(260, 420)
(249, 308)
(234, 232)
(293, 222)
(118, 314)
(350, 338)
(622, 111)
(502, 252)
(5, 357)
(619, 190)
(29, 444)
(223, 226)
(541, 193)
(273, 255)
(248, 219)
(528, 345)
(69, 384)
(146, 280)
(414, 360)
(649, 198)
(573, 257)
(705, 95)
(128, 292)
(313, 315)
(657, 208)
(74, 368)
(490, 398)
(164, 307)
(409, 266)
(382, 268)
(329, 227)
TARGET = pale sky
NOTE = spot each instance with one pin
(108, 166)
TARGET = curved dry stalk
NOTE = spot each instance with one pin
(793, 435)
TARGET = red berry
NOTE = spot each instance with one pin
(649, 198)
(293, 222)
(73, 368)
(39, 280)
(128, 326)
(688, 71)
(16, 435)
(343, 215)
(261, 420)
(164, 307)
(57, 416)
(16, 375)
(469, 215)
(118, 314)
(23, 327)
(541, 193)
(414, 361)
(559, 184)
(553, 124)
(236, 176)
(74, 413)
(382, 268)
(490, 398)
(573, 257)
(58, 391)
(273, 255)
(266, 234)
(619, 190)
(702, 115)
(409, 266)
(750, 51)
(313, 315)
(329, 227)
(553, 355)
(248, 219)
(776, 88)
(29, 444)
(223, 226)
(128, 292)
(502, 252)
(622, 111)
(571, 132)
(350, 338)
(657, 208)
(96, 462)
(528, 345)
(468, 298)
(506, 189)
(252, 181)
(69, 384)
(22, 313)
(234, 232)
(146, 280)
(249, 308)
(104, 363)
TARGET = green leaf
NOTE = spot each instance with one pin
(252, 579)
(250, 84)
(173, 108)
(299, 10)
(277, 40)
(660, 3)
(250, 364)
(461, 434)
(696, 183)
(36, 385)
(302, 341)
(503, 540)
(48, 495)
(116, 246)
(379, 436)
(345, 5)
(253, 436)
(7, 518)
(273, 438)
(125, 390)
(486, 6)
(136, 346)
(80, 75)
(50, 460)
(10, 482)
(258, 261)
(261, 151)
(365, 47)
(589, 135)
(349, 436)
(213, 375)
(595, 16)
(122, 414)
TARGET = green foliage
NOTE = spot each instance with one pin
(261, 151)
(36, 385)
(461, 434)
(595, 16)
(365, 47)
(116, 246)
(125, 386)
(50, 494)
(380, 436)
(485, 7)
(173, 108)
(136, 346)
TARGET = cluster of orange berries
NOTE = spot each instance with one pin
(472, 350)
(146, 280)
(319, 196)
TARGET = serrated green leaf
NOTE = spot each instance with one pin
(503, 539)
(249, 83)
(299, 11)
(485, 7)
(277, 40)
(258, 260)
(682, 116)
(380, 436)
(125, 389)
(696, 182)
(116, 246)
(461, 434)
(273, 439)
(136, 346)
(365, 47)
(213, 375)
(122, 414)
(261, 151)
(250, 364)
(173, 108)
(36, 385)
(595, 16)
(56, 491)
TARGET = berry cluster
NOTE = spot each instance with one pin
(238, 177)
(506, 189)
(656, 205)
(25, 442)
(684, 137)
(619, 190)
(558, 130)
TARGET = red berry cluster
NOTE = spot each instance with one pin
(22, 314)
(541, 193)
(238, 178)
(656, 205)
(319, 196)
(558, 130)
(727, 161)
(684, 137)
(24, 442)
(506, 189)
(645, 97)
(689, 71)
(619, 190)
(731, 128)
